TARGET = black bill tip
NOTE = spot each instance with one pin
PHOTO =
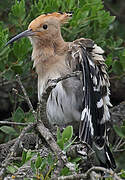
(26, 33)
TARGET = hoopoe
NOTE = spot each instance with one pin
(80, 101)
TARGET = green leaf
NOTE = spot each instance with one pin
(109, 60)
(29, 117)
(50, 160)
(59, 136)
(122, 60)
(38, 162)
(67, 134)
(122, 174)
(3, 36)
(9, 75)
(68, 144)
(24, 157)
(120, 131)
(111, 19)
(29, 155)
(65, 171)
(18, 9)
(117, 67)
(76, 160)
(61, 143)
(33, 167)
(123, 53)
(124, 123)
(11, 169)
(123, 129)
(20, 48)
(18, 115)
(119, 42)
(8, 130)
(17, 69)
(43, 165)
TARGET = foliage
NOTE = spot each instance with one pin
(90, 20)
(40, 166)
(43, 167)
(120, 130)
(64, 139)
(18, 116)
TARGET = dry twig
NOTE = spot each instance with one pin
(13, 149)
(14, 123)
(88, 174)
(48, 136)
(41, 128)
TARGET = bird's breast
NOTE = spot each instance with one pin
(53, 68)
(64, 104)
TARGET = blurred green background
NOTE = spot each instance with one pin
(102, 21)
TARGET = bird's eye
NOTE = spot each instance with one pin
(45, 26)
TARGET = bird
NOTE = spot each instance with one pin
(83, 100)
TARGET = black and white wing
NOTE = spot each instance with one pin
(87, 57)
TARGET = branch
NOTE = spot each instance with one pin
(40, 126)
(4, 82)
(109, 171)
(14, 123)
(50, 140)
(26, 96)
(88, 174)
(14, 148)
(24, 131)
(73, 74)
(27, 142)
(46, 134)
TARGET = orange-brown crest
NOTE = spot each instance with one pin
(61, 17)
(45, 26)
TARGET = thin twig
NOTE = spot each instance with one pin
(14, 148)
(5, 82)
(87, 174)
(50, 140)
(109, 171)
(119, 150)
(42, 129)
(14, 123)
(17, 94)
(122, 144)
(24, 131)
(40, 126)
(117, 146)
(26, 97)
(73, 74)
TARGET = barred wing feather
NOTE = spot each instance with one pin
(87, 57)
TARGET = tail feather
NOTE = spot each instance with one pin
(104, 156)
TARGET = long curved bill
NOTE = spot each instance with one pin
(26, 33)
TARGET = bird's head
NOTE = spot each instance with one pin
(46, 26)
